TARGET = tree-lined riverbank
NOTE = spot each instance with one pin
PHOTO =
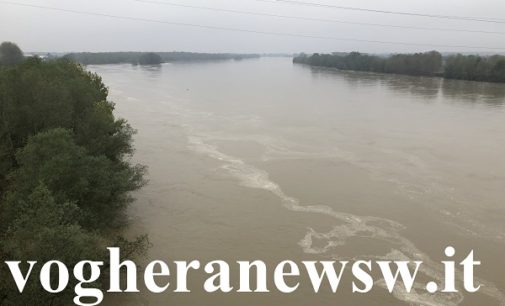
(99, 58)
(463, 67)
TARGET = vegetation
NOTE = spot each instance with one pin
(135, 57)
(464, 67)
(10, 54)
(429, 63)
(475, 68)
(65, 177)
(150, 59)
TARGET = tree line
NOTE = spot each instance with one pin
(475, 68)
(464, 67)
(65, 175)
(88, 58)
(429, 63)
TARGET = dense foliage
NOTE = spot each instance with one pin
(87, 58)
(10, 54)
(429, 63)
(475, 68)
(65, 177)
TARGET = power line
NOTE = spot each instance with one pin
(314, 4)
(210, 27)
(317, 19)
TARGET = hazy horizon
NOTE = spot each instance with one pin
(224, 26)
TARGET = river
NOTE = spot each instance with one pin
(266, 159)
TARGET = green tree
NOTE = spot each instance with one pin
(37, 96)
(44, 229)
(429, 63)
(10, 54)
(475, 68)
(65, 178)
(498, 71)
(100, 58)
(150, 59)
(97, 185)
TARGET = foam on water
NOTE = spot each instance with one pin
(412, 177)
(351, 226)
(348, 227)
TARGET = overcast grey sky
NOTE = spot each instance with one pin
(36, 29)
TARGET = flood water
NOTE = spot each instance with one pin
(264, 159)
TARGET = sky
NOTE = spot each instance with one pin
(159, 25)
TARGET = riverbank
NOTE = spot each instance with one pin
(461, 67)
(103, 58)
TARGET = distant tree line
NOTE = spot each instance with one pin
(464, 67)
(429, 63)
(65, 176)
(87, 58)
(475, 68)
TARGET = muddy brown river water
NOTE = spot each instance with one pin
(263, 159)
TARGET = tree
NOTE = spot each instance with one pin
(498, 71)
(150, 59)
(475, 68)
(10, 54)
(96, 184)
(65, 176)
(99, 58)
(429, 63)
(36, 96)
(45, 229)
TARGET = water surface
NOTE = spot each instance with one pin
(263, 159)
